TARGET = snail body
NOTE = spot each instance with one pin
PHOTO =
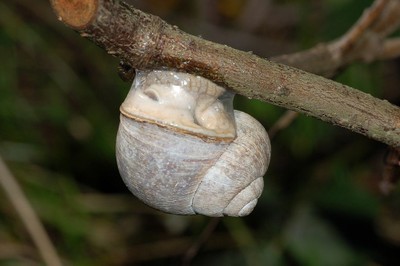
(183, 150)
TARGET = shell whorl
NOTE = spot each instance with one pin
(235, 181)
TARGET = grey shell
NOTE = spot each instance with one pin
(184, 174)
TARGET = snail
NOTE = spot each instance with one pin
(182, 149)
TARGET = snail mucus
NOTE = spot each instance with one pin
(182, 149)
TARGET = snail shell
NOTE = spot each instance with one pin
(180, 151)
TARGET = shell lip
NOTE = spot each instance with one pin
(204, 137)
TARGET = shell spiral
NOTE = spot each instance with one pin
(173, 156)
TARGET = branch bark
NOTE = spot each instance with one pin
(143, 41)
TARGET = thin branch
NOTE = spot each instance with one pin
(203, 238)
(390, 175)
(346, 44)
(283, 122)
(365, 41)
(143, 41)
(391, 49)
(28, 216)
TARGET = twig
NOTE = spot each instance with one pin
(346, 44)
(144, 41)
(28, 216)
(364, 41)
(283, 122)
(390, 175)
(391, 49)
(205, 235)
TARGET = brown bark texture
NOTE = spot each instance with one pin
(144, 41)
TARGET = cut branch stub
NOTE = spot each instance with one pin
(75, 13)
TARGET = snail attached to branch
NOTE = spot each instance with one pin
(182, 149)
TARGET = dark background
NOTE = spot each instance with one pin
(59, 100)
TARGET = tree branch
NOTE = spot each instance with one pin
(143, 41)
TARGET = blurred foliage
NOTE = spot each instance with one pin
(59, 100)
